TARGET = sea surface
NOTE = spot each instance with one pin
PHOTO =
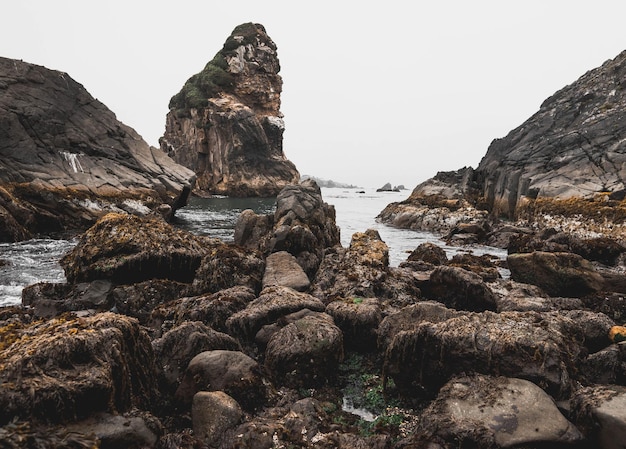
(37, 260)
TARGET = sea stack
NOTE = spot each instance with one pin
(225, 123)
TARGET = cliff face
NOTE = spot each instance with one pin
(226, 123)
(574, 146)
(65, 159)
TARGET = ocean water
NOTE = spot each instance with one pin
(33, 261)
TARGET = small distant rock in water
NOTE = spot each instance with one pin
(329, 183)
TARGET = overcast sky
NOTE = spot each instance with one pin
(373, 92)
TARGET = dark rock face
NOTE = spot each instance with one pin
(573, 146)
(226, 123)
(65, 160)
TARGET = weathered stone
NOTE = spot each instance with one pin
(120, 431)
(232, 372)
(601, 414)
(306, 352)
(66, 160)
(226, 266)
(485, 411)
(226, 123)
(273, 303)
(543, 348)
(460, 289)
(213, 310)
(67, 368)
(129, 249)
(429, 252)
(303, 225)
(358, 320)
(175, 349)
(558, 274)
(281, 268)
(213, 413)
(140, 299)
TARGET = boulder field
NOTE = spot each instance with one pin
(162, 339)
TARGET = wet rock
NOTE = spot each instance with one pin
(409, 318)
(483, 411)
(120, 431)
(128, 249)
(232, 372)
(303, 225)
(429, 252)
(606, 366)
(460, 289)
(543, 348)
(483, 265)
(273, 303)
(67, 368)
(611, 304)
(306, 352)
(358, 320)
(213, 310)
(48, 299)
(282, 269)
(213, 414)
(514, 296)
(175, 349)
(140, 299)
(362, 271)
(594, 326)
(227, 266)
(600, 414)
(558, 274)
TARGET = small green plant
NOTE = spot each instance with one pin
(357, 300)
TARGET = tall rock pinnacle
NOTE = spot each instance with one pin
(226, 124)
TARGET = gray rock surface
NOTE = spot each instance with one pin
(281, 268)
(65, 159)
(213, 413)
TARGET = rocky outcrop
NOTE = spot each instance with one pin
(574, 146)
(65, 159)
(565, 162)
(226, 123)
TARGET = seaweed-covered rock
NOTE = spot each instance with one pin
(488, 412)
(213, 310)
(128, 249)
(460, 289)
(68, 368)
(213, 413)
(429, 252)
(273, 303)
(306, 352)
(600, 414)
(232, 372)
(362, 271)
(543, 348)
(226, 266)
(358, 319)
(558, 274)
(175, 349)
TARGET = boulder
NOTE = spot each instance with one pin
(213, 413)
(65, 160)
(358, 320)
(303, 225)
(50, 299)
(281, 268)
(226, 266)
(127, 249)
(362, 271)
(175, 349)
(543, 348)
(231, 372)
(305, 353)
(558, 274)
(272, 304)
(120, 431)
(514, 296)
(213, 310)
(68, 368)
(600, 412)
(429, 252)
(460, 289)
(484, 412)
(140, 299)
(225, 124)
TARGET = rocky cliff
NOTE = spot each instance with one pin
(65, 159)
(226, 123)
(574, 146)
(565, 162)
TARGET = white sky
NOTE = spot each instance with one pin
(373, 92)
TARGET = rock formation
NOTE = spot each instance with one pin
(226, 123)
(567, 160)
(65, 159)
